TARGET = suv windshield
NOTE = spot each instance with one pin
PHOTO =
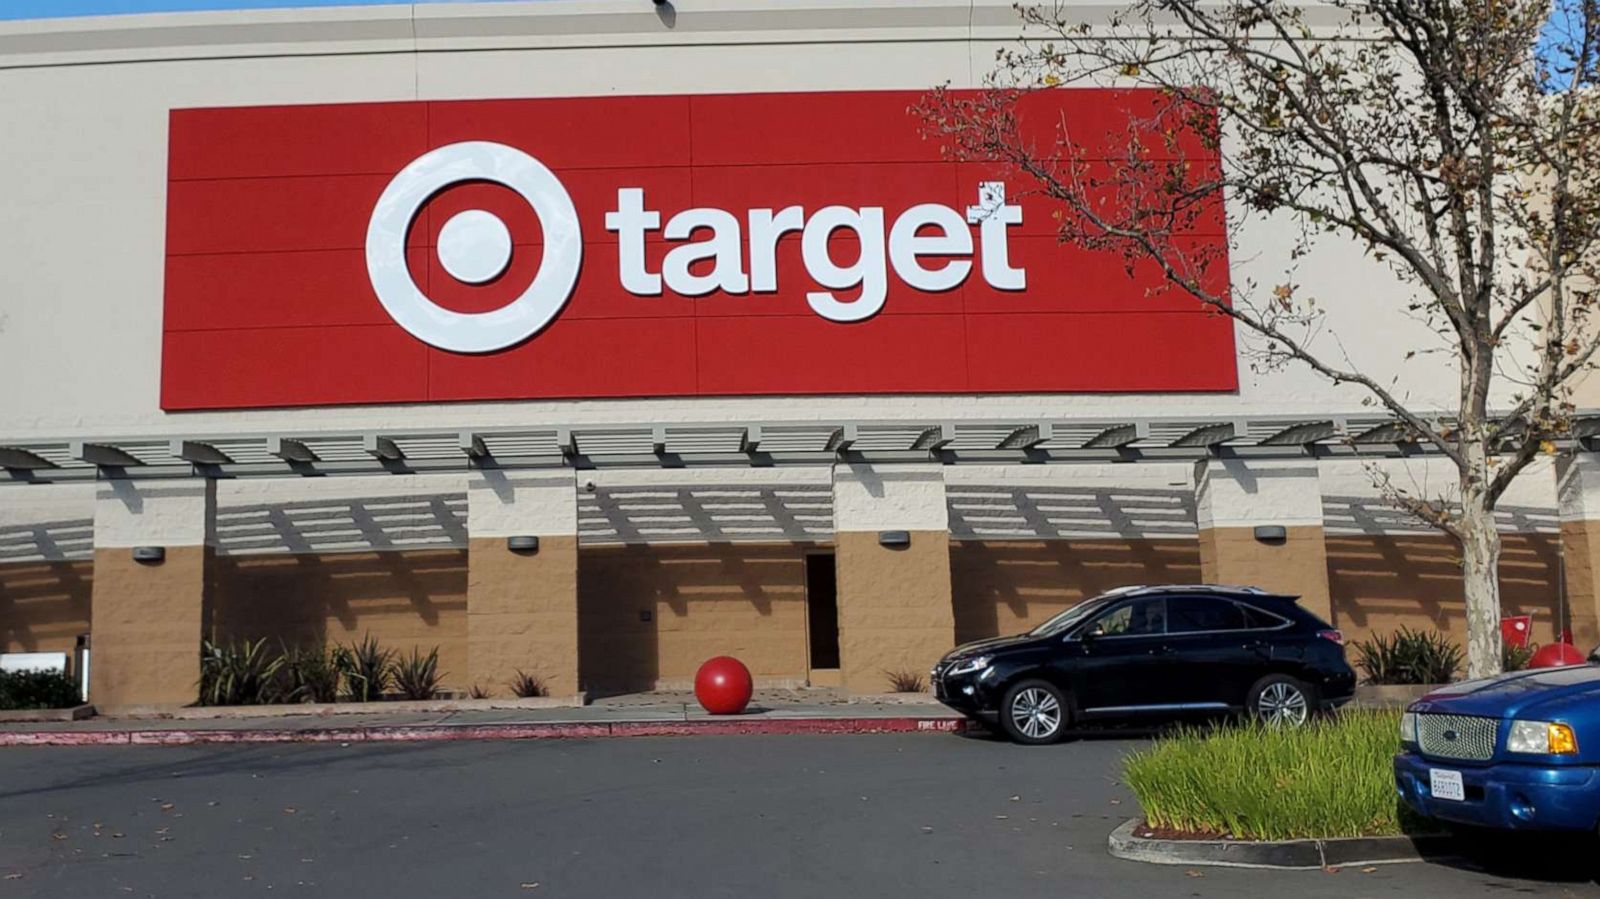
(1065, 620)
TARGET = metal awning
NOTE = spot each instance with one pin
(757, 443)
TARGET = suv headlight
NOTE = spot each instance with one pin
(967, 666)
(1408, 727)
(1542, 738)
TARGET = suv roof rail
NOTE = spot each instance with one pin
(1235, 589)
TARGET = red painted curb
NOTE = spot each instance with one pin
(431, 733)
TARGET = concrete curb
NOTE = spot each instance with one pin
(448, 732)
(35, 716)
(331, 709)
(1292, 855)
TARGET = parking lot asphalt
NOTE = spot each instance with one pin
(913, 815)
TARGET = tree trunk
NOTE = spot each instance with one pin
(1480, 563)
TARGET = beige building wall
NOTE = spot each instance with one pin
(1298, 565)
(1380, 583)
(895, 610)
(414, 599)
(147, 618)
(650, 615)
(522, 606)
(1233, 498)
(1002, 587)
(522, 614)
(44, 606)
(1578, 488)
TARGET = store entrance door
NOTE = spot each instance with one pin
(822, 619)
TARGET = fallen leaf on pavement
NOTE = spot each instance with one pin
(1368, 870)
(1330, 870)
(1193, 873)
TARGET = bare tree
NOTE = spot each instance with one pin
(1446, 138)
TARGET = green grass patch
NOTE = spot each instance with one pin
(1332, 778)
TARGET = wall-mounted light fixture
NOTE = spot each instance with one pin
(150, 555)
(894, 539)
(526, 543)
(1271, 533)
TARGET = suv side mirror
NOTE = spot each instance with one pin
(1092, 632)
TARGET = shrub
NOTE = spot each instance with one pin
(527, 686)
(1332, 778)
(366, 669)
(1516, 658)
(37, 690)
(1409, 657)
(417, 676)
(477, 691)
(240, 673)
(309, 675)
(904, 681)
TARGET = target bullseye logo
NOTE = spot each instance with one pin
(474, 247)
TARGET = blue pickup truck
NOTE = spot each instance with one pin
(1519, 751)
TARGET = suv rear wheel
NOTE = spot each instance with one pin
(1278, 700)
(1034, 712)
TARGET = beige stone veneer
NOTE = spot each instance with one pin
(522, 614)
(895, 611)
(1298, 565)
(147, 621)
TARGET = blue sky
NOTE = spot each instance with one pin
(41, 9)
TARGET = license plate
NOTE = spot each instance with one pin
(1446, 785)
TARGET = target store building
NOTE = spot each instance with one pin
(593, 339)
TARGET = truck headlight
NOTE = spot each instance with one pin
(1542, 738)
(1408, 727)
(967, 666)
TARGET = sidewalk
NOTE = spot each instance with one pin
(660, 714)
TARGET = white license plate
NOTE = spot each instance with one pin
(1446, 785)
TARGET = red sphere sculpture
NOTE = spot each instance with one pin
(723, 686)
(1556, 655)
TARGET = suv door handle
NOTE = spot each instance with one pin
(1162, 651)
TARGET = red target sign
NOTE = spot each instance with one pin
(643, 247)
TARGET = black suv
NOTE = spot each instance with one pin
(1168, 651)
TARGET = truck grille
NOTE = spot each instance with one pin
(1457, 736)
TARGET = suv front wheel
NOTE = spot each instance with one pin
(1034, 712)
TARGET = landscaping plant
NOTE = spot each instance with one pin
(417, 676)
(1516, 658)
(1409, 657)
(244, 672)
(37, 690)
(1330, 778)
(309, 675)
(904, 681)
(527, 686)
(477, 691)
(366, 669)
